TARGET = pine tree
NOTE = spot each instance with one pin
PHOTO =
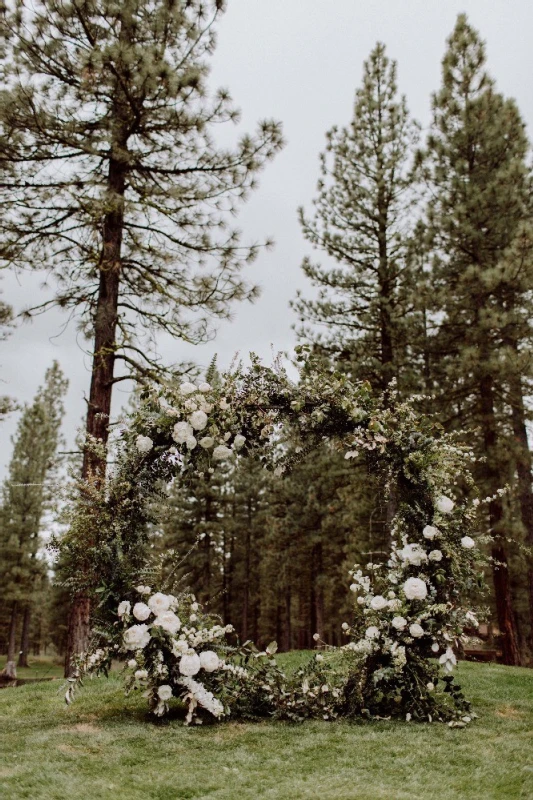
(25, 496)
(475, 165)
(363, 314)
(115, 184)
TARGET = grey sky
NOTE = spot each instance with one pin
(298, 61)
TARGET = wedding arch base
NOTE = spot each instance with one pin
(409, 613)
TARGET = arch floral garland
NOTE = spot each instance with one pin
(408, 618)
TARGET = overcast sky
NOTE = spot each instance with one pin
(298, 61)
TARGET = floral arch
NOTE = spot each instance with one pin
(408, 614)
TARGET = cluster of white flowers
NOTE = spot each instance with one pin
(184, 648)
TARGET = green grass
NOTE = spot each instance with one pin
(105, 746)
(39, 667)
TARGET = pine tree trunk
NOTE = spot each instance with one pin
(99, 408)
(25, 638)
(288, 627)
(500, 572)
(247, 566)
(78, 631)
(10, 670)
(523, 468)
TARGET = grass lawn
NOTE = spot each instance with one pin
(105, 746)
(39, 667)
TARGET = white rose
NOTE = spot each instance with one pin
(190, 441)
(209, 661)
(361, 600)
(372, 632)
(136, 637)
(143, 589)
(204, 387)
(435, 555)
(190, 665)
(165, 692)
(394, 605)
(143, 444)
(399, 623)
(221, 452)
(378, 602)
(445, 505)
(224, 405)
(430, 532)
(190, 404)
(168, 621)
(467, 542)
(415, 589)
(159, 602)
(198, 420)
(132, 663)
(182, 431)
(354, 587)
(194, 606)
(141, 611)
(413, 554)
(141, 674)
(345, 626)
(239, 441)
(416, 630)
(187, 388)
(206, 442)
(124, 608)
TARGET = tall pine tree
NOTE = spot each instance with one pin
(363, 314)
(25, 496)
(480, 188)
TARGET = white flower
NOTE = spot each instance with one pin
(394, 605)
(391, 595)
(416, 630)
(191, 443)
(159, 602)
(415, 589)
(141, 611)
(179, 647)
(182, 431)
(448, 660)
(361, 600)
(141, 674)
(399, 623)
(194, 606)
(345, 626)
(124, 608)
(239, 441)
(204, 387)
(408, 717)
(132, 663)
(372, 632)
(413, 554)
(136, 637)
(190, 664)
(430, 687)
(190, 404)
(143, 589)
(143, 444)
(319, 657)
(354, 587)
(430, 532)
(221, 452)
(206, 442)
(209, 661)
(445, 505)
(203, 697)
(165, 692)
(198, 420)
(435, 555)
(435, 647)
(187, 388)
(378, 602)
(168, 621)
(467, 542)
(224, 405)
(472, 619)
(316, 636)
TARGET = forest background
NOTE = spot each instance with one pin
(272, 556)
